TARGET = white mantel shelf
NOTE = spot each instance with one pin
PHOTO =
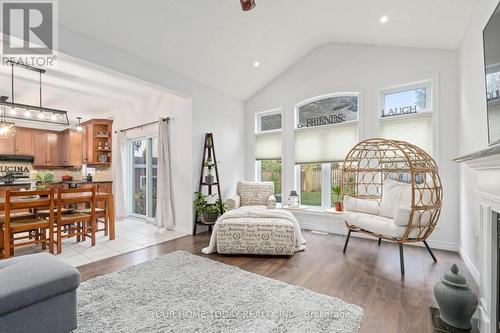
(487, 164)
(486, 159)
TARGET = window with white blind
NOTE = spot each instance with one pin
(406, 114)
(326, 128)
(268, 148)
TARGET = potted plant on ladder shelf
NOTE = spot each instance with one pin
(209, 212)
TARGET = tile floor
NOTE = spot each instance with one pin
(131, 235)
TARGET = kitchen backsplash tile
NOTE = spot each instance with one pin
(28, 170)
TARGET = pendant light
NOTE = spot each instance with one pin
(35, 113)
(6, 129)
(78, 124)
(247, 5)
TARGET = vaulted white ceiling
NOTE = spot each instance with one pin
(81, 89)
(215, 43)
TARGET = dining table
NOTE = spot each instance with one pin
(70, 198)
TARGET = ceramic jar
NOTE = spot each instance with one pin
(457, 302)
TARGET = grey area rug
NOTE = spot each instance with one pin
(180, 292)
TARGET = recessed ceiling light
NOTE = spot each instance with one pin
(384, 19)
(256, 64)
(41, 116)
(27, 114)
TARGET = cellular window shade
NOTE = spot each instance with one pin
(326, 144)
(415, 130)
(268, 146)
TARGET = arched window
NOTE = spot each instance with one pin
(326, 128)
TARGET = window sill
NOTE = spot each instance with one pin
(311, 210)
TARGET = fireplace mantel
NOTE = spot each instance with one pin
(486, 159)
(487, 164)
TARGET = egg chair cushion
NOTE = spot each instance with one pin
(421, 218)
(395, 195)
(379, 225)
(361, 205)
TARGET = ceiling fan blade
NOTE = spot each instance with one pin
(247, 5)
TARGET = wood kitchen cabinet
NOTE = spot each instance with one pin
(54, 149)
(7, 145)
(68, 148)
(72, 144)
(97, 141)
(47, 149)
(24, 141)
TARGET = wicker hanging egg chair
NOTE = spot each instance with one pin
(373, 163)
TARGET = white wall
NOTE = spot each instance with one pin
(161, 104)
(472, 125)
(212, 111)
(367, 69)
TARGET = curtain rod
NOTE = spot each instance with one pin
(147, 124)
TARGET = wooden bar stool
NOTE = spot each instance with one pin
(25, 226)
(76, 223)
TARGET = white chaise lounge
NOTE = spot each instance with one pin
(253, 225)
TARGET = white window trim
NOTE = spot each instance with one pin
(433, 102)
(259, 115)
(318, 98)
(130, 183)
(428, 84)
(258, 130)
(326, 181)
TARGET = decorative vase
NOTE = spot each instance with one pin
(338, 206)
(457, 302)
(209, 179)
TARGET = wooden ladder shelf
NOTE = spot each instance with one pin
(208, 155)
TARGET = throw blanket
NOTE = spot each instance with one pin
(256, 212)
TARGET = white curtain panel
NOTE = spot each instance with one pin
(164, 211)
(120, 175)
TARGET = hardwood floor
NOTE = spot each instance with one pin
(367, 275)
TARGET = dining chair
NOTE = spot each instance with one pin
(101, 217)
(75, 223)
(20, 228)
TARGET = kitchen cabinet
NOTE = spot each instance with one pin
(68, 148)
(24, 141)
(97, 141)
(88, 142)
(72, 144)
(7, 145)
(54, 153)
(40, 148)
(47, 149)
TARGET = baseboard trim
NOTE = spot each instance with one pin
(470, 266)
(333, 229)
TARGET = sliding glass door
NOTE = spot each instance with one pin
(144, 159)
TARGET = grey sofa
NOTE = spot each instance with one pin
(37, 294)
